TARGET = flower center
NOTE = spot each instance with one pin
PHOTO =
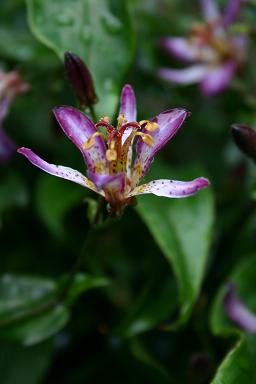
(221, 45)
(119, 140)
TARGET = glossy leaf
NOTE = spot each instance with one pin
(153, 306)
(83, 283)
(238, 366)
(37, 328)
(99, 32)
(182, 229)
(33, 309)
(19, 293)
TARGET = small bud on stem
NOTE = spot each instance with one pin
(80, 80)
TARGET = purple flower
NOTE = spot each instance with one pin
(237, 311)
(112, 170)
(215, 52)
(11, 85)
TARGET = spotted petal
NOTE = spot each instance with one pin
(169, 122)
(129, 109)
(79, 128)
(181, 48)
(237, 311)
(189, 75)
(171, 188)
(7, 147)
(58, 170)
(128, 103)
(218, 78)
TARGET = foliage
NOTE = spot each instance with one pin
(138, 298)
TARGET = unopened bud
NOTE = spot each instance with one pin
(245, 139)
(80, 80)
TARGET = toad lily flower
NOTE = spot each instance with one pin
(216, 52)
(107, 152)
(11, 85)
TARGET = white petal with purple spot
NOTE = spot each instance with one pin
(58, 170)
(171, 188)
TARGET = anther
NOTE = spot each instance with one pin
(150, 126)
(90, 142)
(121, 120)
(148, 139)
(111, 154)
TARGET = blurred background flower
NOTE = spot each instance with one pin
(11, 85)
(215, 49)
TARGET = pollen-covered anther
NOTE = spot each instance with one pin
(150, 126)
(121, 120)
(148, 139)
(91, 142)
(111, 154)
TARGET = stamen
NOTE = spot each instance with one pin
(131, 124)
(121, 120)
(91, 142)
(111, 154)
(148, 139)
(150, 126)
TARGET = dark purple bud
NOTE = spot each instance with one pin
(245, 139)
(237, 311)
(80, 80)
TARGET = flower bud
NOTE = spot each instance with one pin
(245, 139)
(80, 80)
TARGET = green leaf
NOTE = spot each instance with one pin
(33, 309)
(83, 283)
(182, 228)
(142, 354)
(238, 366)
(100, 32)
(19, 293)
(28, 311)
(244, 277)
(24, 365)
(54, 199)
(37, 328)
(154, 305)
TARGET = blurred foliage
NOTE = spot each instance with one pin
(156, 313)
